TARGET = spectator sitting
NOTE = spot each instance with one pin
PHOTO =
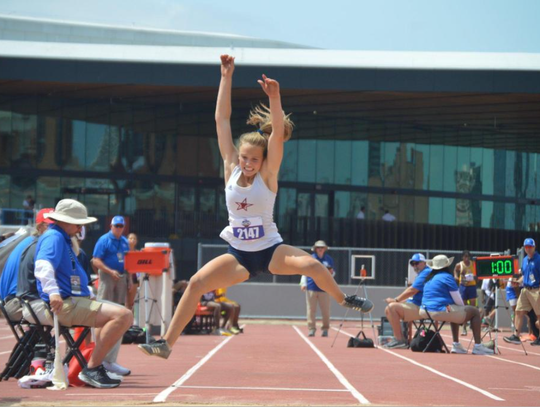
(443, 302)
(209, 300)
(17, 261)
(362, 213)
(232, 309)
(400, 310)
(63, 284)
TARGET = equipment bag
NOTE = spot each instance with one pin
(358, 342)
(421, 340)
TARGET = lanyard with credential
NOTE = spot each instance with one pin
(75, 279)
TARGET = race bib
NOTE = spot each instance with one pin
(469, 277)
(248, 228)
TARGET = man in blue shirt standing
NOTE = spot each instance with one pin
(314, 294)
(529, 298)
(400, 310)
(63, 284)
(114, 283)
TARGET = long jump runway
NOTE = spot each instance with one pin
(277, 364)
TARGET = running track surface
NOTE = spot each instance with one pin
(277, 364)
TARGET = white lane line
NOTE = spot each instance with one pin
(264, 388)
(162, 397)
(517, 363)
(470, 386)
(355, 393)
(7, 337)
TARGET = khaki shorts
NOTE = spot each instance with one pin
(529, 299)
(411, 312)
(14, 309)
(456, 314)
(75, 311)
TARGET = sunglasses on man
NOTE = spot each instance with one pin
(118, 226)
(415, 263)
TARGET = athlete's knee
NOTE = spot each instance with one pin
(197, 285)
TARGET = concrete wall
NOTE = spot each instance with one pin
(288, 301)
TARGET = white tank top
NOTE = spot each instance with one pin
(251, 215)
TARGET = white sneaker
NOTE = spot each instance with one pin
(114, 376)
(458, 348)
(116, 368)
(480, 349)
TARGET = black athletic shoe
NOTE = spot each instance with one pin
(536, 342)
(513, 339)
(98, 377)
(357, 303)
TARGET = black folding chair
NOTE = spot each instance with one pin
(27, 338)
(72, 345)
(437, 326)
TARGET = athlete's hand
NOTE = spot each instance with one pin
(270, 86)
(227, 65)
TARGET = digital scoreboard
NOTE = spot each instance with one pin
(495, 267)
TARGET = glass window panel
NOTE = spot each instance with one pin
(374, 207)
(488, 171)
(304, 204)
(421, 160)
(406, 208)
(207, 200)
(530, 175)
(4, 191)
(391, 203)
(464, 215)
(287, 202)
(342, 205)
(186, 159)
(74, 131)
(450, 169)
(487, 214)
(7, 139)
(521, 217)
(390, 165)
(289, 165)
(26, 145)
(306, 160)
(436, 168)
(325, 162)
(375, 174)
(98, 139)
(361, 151)
(48, 192)
(510, 174)
(321, 205)
(21, 188)
(509, 216)
(476, 170)
(498, 215)
(359, 200)
(55, 147)
(186, 198)
(449, 211)
(343, 162)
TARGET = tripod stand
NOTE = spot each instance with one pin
(361, 283)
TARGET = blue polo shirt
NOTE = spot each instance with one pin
(8, 280)
(328, 262)
(418, 284)
(55, 247)
(112, 251)
(530, 268)
(437, 292)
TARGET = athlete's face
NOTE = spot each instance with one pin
(250, 159)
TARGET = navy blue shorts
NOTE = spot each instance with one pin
(255, 262)
(468, 292)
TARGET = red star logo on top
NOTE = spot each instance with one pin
(243, 205)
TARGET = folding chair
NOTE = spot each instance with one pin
(72, 345)
(437, 326)
(27, 337)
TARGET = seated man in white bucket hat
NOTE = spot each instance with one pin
(443, 302)
(63, 283)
